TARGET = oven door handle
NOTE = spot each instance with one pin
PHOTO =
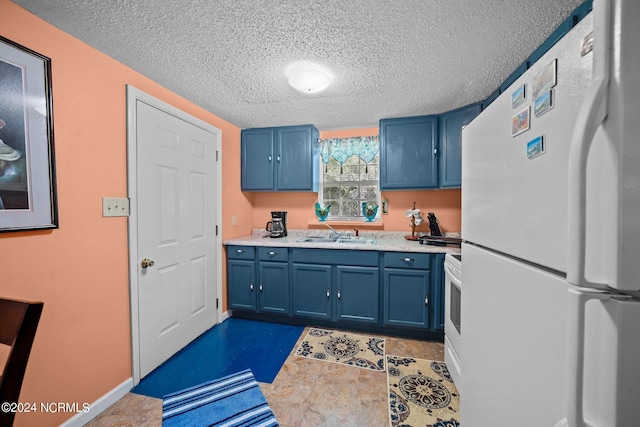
(451, 276)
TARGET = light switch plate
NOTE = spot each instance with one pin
(115, 206)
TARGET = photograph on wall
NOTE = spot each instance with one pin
(545, 79)
(543, 103)
(520, 122)
(518, 96)
(535, 147)
(27, 178)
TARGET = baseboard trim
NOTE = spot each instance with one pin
(97, 407)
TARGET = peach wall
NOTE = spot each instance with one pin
(82, 348)
(446, 204)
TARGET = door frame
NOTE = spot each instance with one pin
(134, 95)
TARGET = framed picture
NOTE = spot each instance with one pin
(545, 79)
(518, 96)
(27, 166)
(520, 122)
(543, 103)
(535, 147)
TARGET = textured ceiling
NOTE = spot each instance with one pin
(390, 58)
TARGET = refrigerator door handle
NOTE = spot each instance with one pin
(592, 113)
(576, 306)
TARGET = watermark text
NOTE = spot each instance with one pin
(50, 407)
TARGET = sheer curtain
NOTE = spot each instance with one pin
(341, 149)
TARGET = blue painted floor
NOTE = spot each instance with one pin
(227, 348)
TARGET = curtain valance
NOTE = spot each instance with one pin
(341, 149)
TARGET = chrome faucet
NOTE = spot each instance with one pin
(334, 233)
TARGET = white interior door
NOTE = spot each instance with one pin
(175, 223)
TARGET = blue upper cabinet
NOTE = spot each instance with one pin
(257, 149)
(451, 125)
(408, 153)
(280, 159)
(297, 160)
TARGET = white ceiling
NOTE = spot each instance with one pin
(390, 58)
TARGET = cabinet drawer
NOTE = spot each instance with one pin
(407, 260)
(336, 257)
(241, 252)
(273, 254)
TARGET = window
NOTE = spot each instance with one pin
(349, 176)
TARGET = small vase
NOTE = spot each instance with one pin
(369, 211)
(322, 213)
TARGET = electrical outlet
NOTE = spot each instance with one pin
(115, 206)
(234, 220)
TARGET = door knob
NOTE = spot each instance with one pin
(146, 263)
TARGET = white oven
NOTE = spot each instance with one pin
(452, 298)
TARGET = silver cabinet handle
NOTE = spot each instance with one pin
(278, 159)
(260, 286)
(270, 157)
(426, 299)
(240, 251)
(328, 293)
(251, 286)
(338, 293)
(407, 259)
(273, 253)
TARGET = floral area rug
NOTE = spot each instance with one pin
(421, 393)
(340, 347)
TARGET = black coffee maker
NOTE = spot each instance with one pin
(278, 224)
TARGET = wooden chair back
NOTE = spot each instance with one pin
(18, 324)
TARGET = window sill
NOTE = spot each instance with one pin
(350, 224)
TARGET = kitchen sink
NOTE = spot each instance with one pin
(354, 240)
(318, 239)
(338, 239)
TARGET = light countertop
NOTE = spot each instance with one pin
(384, 241)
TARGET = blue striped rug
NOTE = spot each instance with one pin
(231, 401)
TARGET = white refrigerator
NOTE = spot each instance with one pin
(550, 312)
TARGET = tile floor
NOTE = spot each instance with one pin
(306, 393)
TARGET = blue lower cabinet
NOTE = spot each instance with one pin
(256, 285)
(273, 287)
(357, 294)
(353, 297)
(241, 275)
(407, 295)
(312, 290)
(398, 291)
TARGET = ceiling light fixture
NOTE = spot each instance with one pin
(307, 77)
